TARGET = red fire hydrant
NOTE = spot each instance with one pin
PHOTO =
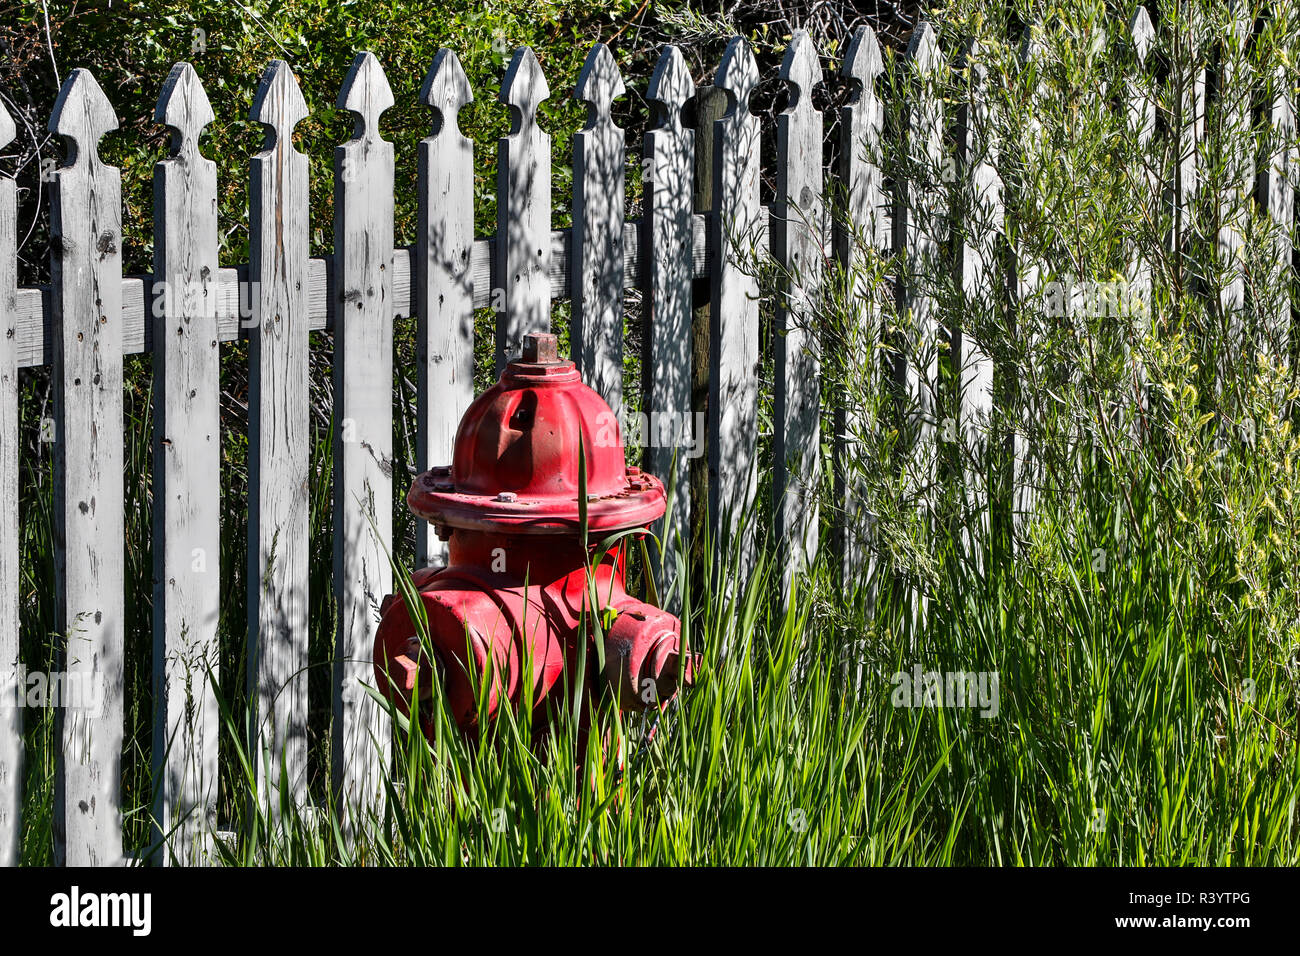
(513, 608)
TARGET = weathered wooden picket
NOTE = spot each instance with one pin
(91, 316)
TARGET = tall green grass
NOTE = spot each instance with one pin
(1123, 735)
(1125, 732)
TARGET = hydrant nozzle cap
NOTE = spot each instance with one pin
(541, 348)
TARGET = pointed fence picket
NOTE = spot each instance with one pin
(1027, 269)
(669, 238)
(187, 467)
(11, 717)
(1275, 192)
(444, 279)
(1140, 102)
(798, 235)
(918, 235)
(1232, 117)
(979, 221)
(734, 224)
(86, 286)
(596, 326)
(679, 254)
(278, 442)
(363, 434)
(523, 210)
(862, 226)
(1187, 86)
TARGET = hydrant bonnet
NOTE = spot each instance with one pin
(515, 463)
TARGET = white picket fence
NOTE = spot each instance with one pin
(92, 315)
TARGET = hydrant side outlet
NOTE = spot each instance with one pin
(506, 613)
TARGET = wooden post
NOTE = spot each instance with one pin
(363, 435)
(11, 683)
(86, 281)
(596, 259)
(862, 224)
(444, 279)
(798, 235)
(523, 211)
(736, 224)
(279, 441)
(668, 239)
(187, 471)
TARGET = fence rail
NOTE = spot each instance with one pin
(91, 316)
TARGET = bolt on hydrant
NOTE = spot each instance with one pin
(516, 591)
